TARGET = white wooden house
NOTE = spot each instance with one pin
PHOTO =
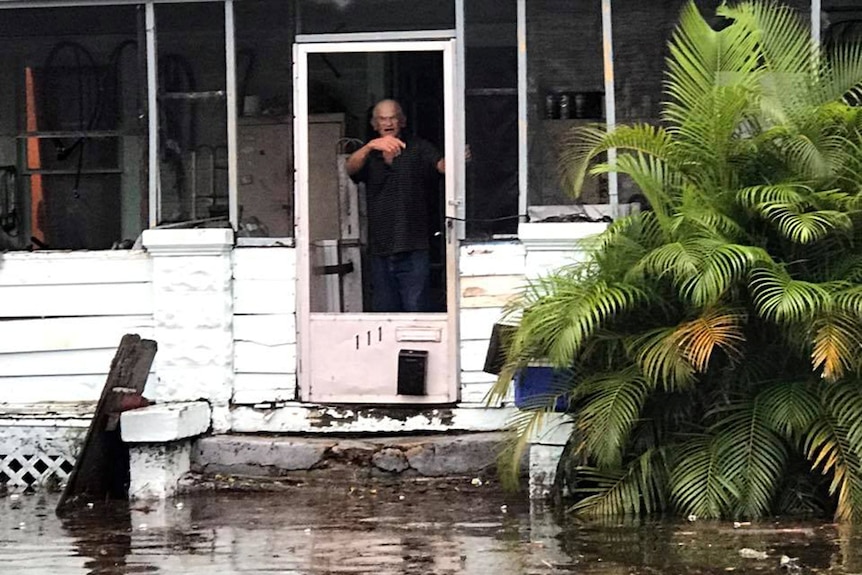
(172, 168)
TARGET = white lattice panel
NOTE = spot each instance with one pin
(20, 471)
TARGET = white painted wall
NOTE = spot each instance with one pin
(224, 320)
(63, 315)
(490, 275)
(264, 328)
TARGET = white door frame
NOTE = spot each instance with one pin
(452, 136)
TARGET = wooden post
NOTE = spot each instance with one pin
(102, 467)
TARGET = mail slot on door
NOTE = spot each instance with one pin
(412, 371)
(418, 333)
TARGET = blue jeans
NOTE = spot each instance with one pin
(399, 282)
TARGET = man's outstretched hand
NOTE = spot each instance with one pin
(387, 145)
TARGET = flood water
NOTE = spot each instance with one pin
(450, 529)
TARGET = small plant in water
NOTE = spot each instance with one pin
(711, 345)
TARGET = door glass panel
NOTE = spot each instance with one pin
(341, 16)
(192, 101)
(353, 221)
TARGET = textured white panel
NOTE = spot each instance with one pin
(302, 418)
(155, 470)
(475, 393)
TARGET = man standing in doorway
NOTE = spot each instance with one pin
(400, 173)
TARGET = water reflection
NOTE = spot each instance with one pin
(387, 531)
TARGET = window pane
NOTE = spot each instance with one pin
(71, 155)
(641, 35)
(265, 129)
(491, 101)
(192, 102)
(564, 47)
(340, 16)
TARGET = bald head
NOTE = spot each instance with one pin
(387, 118)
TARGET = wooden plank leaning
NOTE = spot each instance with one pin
(101, 469)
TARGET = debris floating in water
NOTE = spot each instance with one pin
(748, 553)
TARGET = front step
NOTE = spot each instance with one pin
(442, 455)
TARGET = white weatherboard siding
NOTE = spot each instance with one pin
(264, 325)
(224, 320)
(491, 274)
(63, 315)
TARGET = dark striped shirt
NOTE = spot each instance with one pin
(398, 197)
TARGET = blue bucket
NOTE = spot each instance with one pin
(536, 386)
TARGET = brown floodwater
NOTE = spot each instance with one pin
(452, 528)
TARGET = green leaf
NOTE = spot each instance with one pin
(778, 297)
(805, 227)
(697, 483)
(608, 407)
(637, 489)
(753, 456)
(832, 445)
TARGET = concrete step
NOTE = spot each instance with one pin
(432, 456)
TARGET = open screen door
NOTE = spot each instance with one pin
(350, 353)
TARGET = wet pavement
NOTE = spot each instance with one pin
(450, 528)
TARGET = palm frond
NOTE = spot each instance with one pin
(837, 342)
(804, 227)
(842, 73)
(753, 455)
(580, 148)
(784, 44)
(848, 298)
(784, 193)
(561, 322)
(714, 329)
(638, 489)
(608, 407)
(790, 407)
(675, 259)
(723, 265)
(710, 221)
(831, 445)
(702, 61)
(653, 178)
(778, 297)
(697, 483)
(661, 359)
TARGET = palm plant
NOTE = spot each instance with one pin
(714, 341)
